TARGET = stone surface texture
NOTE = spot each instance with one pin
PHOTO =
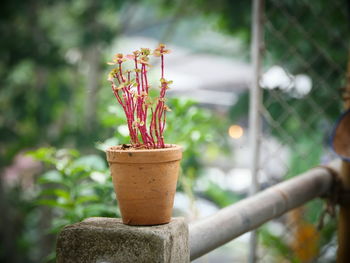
(108, 240)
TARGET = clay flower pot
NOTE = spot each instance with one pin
(145, 182)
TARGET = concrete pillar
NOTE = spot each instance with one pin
(107, 240)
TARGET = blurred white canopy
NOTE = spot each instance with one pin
(205, 78)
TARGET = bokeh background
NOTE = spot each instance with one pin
(58, 113)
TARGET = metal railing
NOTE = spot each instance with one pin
(214, 231)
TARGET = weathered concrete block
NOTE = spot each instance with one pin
(107, 240)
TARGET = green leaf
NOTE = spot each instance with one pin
(86, 188)
(107, 143)
(99, 177)
(58, 223)
(53, 203)
(97, 209)
(56, 192)
(88, 198)
(92, 162)
(219, 196)
(43, 154)
(63, 153)
(52, 176)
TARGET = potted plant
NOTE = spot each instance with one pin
(144, 172)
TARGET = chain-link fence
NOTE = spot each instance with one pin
(304, 65)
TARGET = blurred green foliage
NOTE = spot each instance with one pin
(76, 186)
(46, 54)
(72, 188)
(219, 196)
(279, 247)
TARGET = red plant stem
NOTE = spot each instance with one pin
(142, 88)
(137, 98)
(128, 116)
(144, 108)
(156, 123)
(121, 72)
(160, 114)
(157, 116)
(116, 94)
(164, 121)
(117, 77)
(137, 76)
(128, 104)
(162, 65)
(144, 91)
(127, 109)
(151, 129)
(146, 83)
(140, 112)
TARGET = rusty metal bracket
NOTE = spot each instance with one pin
(344, 198)
(345, 92)
(336, 195)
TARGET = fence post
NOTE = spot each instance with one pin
(343, 253)
(255, 104)
(107, 240)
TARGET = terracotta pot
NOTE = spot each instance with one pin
(145, 183)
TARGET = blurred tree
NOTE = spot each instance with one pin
(49, 51)
(50, 63)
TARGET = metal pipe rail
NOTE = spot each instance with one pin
(230, 222)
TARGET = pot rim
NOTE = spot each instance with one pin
(171, 153)
(169, 147)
